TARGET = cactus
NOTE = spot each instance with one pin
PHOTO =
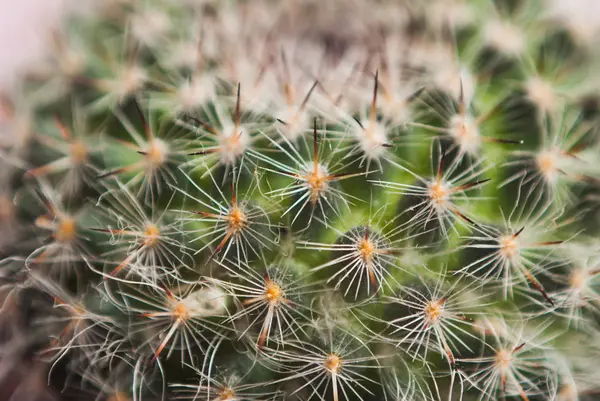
(341, 200)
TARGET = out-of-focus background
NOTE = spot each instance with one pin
(25, 26)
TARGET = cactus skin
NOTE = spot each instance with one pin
(350, 200)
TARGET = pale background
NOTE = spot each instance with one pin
(25, 23)
(23, 26)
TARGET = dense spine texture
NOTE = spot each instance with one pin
(304, 200)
